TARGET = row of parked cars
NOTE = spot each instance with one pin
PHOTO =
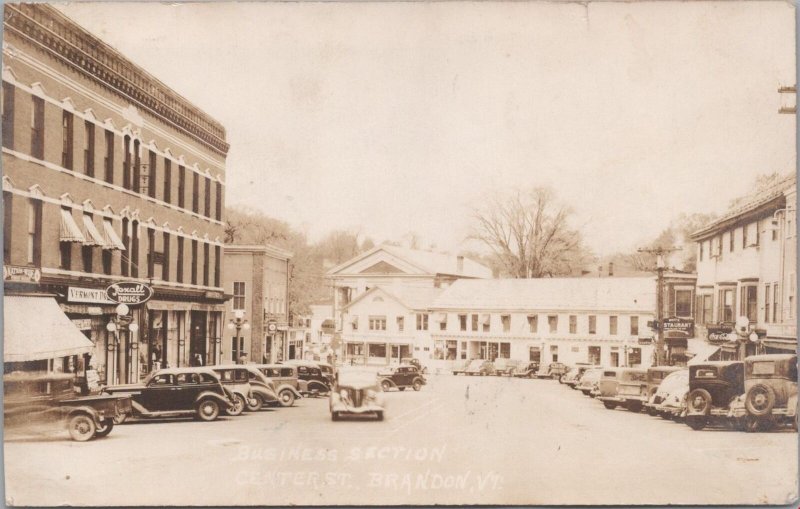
(757, 394)
(509, 367)
(199, 392)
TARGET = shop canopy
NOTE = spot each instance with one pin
(35, 328)
(700, 350)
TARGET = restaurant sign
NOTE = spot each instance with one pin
(129, 293)
(718, 334)
(685, 326)
(21, 273)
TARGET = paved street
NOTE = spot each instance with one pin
(459, 440)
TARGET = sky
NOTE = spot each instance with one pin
(389, 118)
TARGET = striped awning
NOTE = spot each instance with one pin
(70, 231)
(93, 237)
(111, 240)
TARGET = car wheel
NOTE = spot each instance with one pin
(286, 398)
(759, 400)
(696, 422)
(699, 401)
(417, 385)
(105, 428)
(665, 415)
(81, 427)
(379, 415)
(238, 406)
(401, 388)
(585, 393)
(610, 405)
(634, 406)
(255, 403)
(386, 385)
(334, 416)
(119, 419)
(208, 410)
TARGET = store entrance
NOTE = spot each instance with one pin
(197, 339)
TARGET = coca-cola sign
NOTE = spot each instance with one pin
(129, 293)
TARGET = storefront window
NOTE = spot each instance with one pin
(505, 350)
(594, 355)
(451, 349)
(634, 357)
(438, 350)
(377, 350)
(463, 349)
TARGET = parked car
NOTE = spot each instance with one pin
(262, 389)
(400, 377)
(177, 392)
(286, 383)
(312, 372)
(236, 378)
(713, 386)
(356, 394)
(480, 367)
(460, 367)
(573, 374)
(49, 400)
(607, 386)
(656, 375)
(630, 389)
(554, 370)
(669, 400)
(414, 362)
(589, 381)
(527, 370)
(506, 367)
(770, 397)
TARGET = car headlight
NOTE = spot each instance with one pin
(371, 394)
(343, 393)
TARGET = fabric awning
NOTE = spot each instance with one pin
(35, 328)
(700, 350)
(70, 232)
(486, 319)
(441, 317)
(112, 240)
(93, 237)
(788, 345)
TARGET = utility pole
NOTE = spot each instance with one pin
(660, 253)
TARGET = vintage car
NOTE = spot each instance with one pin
(400, 377)
(480, 367)
(285, 380)
(262, 389)
(506, 367)
(554, 370)
(574, 374)
(770, 392)
(177, 392)
(656, 375)
(629, 389)
(607, 386)
(669, 400)
(527, 370)
(356, 393)
(414, 362)
(713, 386)
(45, 400)
(312, 381)
(236, 378)
(588, 383)
(328, 372)
(460, 367)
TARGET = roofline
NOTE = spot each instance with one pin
(371, 291)
(257, 248)
(380, 247)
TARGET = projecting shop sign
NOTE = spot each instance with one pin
(129, 293)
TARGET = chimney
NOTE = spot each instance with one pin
(460, 264)
(610, 268)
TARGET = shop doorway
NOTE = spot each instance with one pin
(198, 339)
(614, 359)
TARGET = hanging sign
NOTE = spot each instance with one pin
(129, 293)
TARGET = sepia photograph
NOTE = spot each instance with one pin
(411, 253)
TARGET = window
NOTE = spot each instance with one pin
(125, 261)
(206, 262)
(612, 325)
(592, 324)
(750, 235)
(505, 320)
(217, 265)
(401, 323)
(65, 261)
(705, 308)
(474, 321)
(218, 199)
(237, 348)
(194, 262)
(376, 350)
(37, 128)
(463, 350)
(151, 252)
(88, 148)
(776, 303)
(86, 255)
(165, 257)
(134, 252)
(354, 323)
(634, 326)
(486, 322)
(8, 115)
(108, 160)
(767, 302)
(195, 192)
(462, 320)
(573, 324)
(34, 232)
(635, 357)
(179, 261)
(107, 258)
(554, 352)
(126, 162)
(683, 303)
(594, 355)
(377, 323)
(732, 240)
(152, 175)
(136, 185)
(749, 302)
(700, 247)
(726, 305)
(443, 322)
(207, 198)
(533, 323)
(8, 200)
(505, 350)
(552, 322)
(422, 321)
(238, 295)
(181, 187)
(167, 180)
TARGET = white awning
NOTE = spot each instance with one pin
(441, 317)
(70, 232)
(112, 240)
(486, 319)
(93, 237)
(701, 350)
(35, 328)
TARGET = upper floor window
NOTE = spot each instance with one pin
(88, 148)
(207, 198)
(726, 305)
(592, 324)
(8, 115)
(705, 307)
(377, 323)
(238, 295)
(700, 248)
(474, 322)
(612, 325)
(634, 326)
(486, 321)
(152, 175)
(67, 139)
(442, 321)
(218, 198)
(195, 255)
(552, 321)
(683, 303)
(206, 262)
(533, 323)
(217, 265)
(791, 295)
(179, 260)
(462, 321)
(573, 324)
(195, 192)
(767, 303)
(732, 240)
(505, 320)
(401, 323)
(165, 257)
(37, 128)
(34, 255)
(748, 302)
(8, 204)
(167, 180)
(126, 162)
(181, 186)
(422, 321)
(108, 160)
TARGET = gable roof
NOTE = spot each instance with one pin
(425, 262)
(412, 297)
(635, 294)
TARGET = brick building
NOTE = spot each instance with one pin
(109, 176)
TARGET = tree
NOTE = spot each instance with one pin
(676, 235)
(529, 234)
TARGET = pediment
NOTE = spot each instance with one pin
(382, 267)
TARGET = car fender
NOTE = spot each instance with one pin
(420, 379)
(387, 379)
(87, 410)
(215, 396)
(287, 387)
(266, 393)
(316, 385)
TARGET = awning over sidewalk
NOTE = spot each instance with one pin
(35, 328)
(788, 345)
(700, 350)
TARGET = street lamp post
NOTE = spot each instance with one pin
(121, 322)
(237, 323)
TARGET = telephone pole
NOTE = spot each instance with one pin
(660, 253)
